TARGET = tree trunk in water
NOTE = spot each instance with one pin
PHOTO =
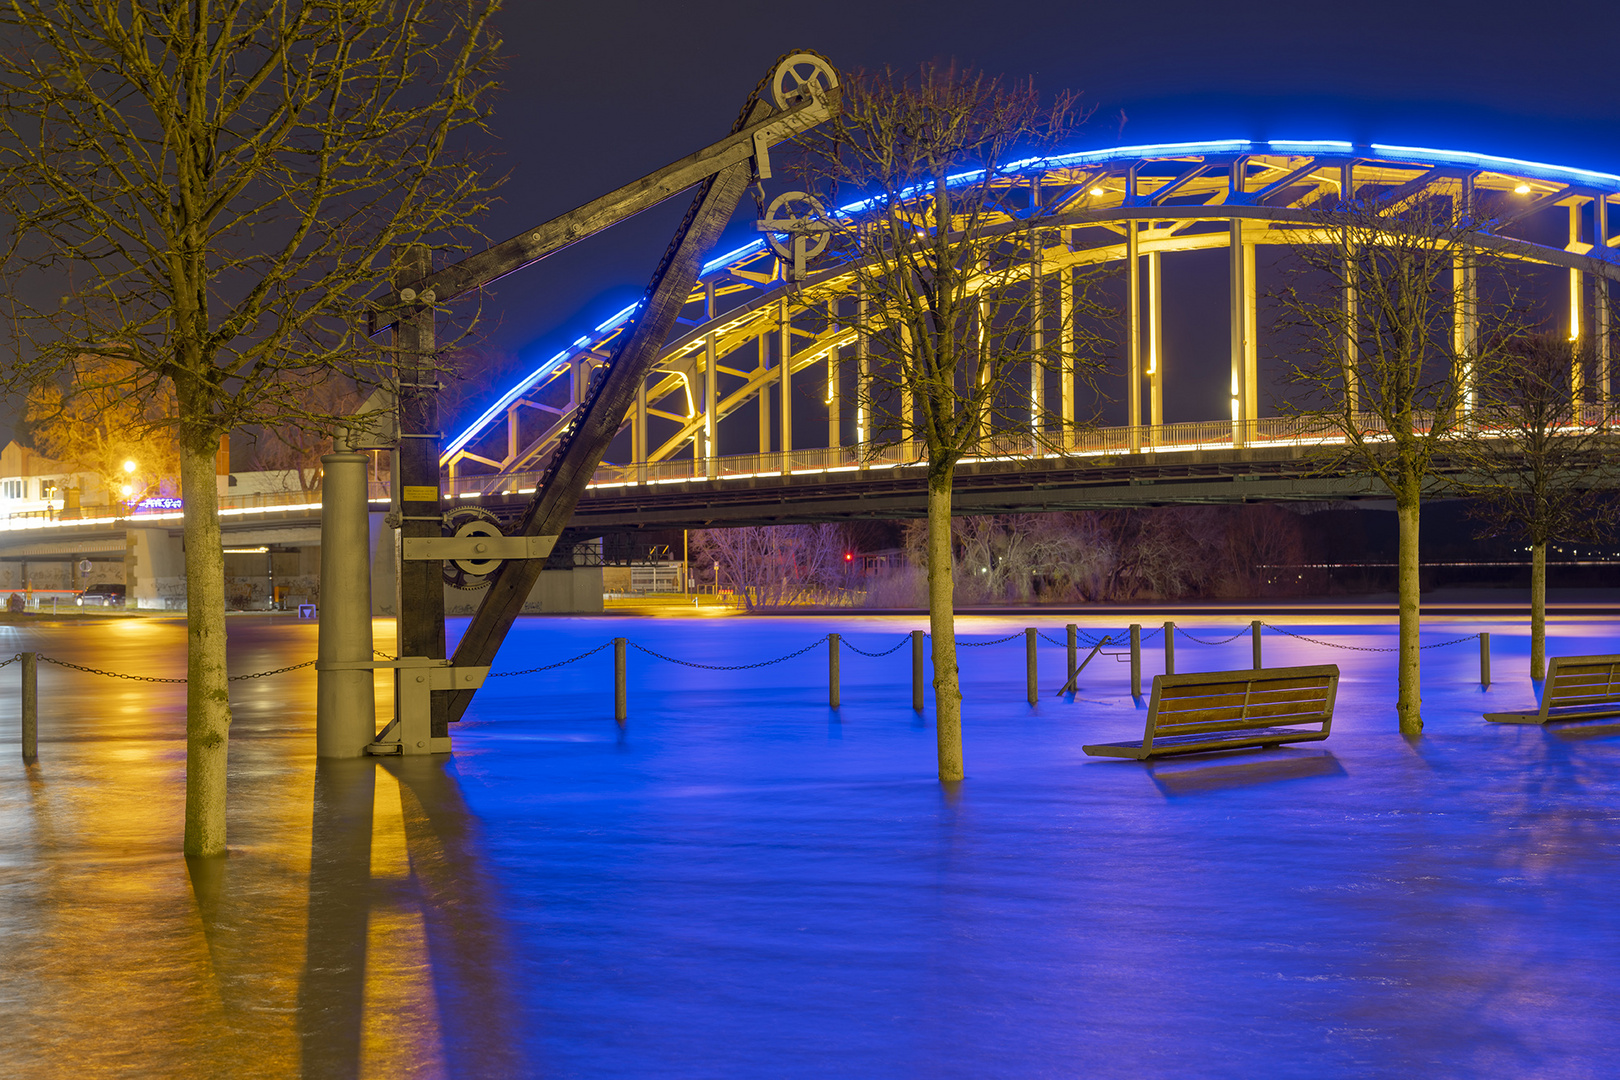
(1538, 611)
(1409, 701)
(942, 627)
(208, 707)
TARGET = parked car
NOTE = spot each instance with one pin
(102, 596)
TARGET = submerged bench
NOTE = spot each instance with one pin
(1577, 688)
(1229, 710)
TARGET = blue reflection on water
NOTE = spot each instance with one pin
(745, 884)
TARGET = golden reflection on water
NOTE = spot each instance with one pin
(306, 951)
(400, 1036)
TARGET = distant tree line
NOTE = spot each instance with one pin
(1151, 554)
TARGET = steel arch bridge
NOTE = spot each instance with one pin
(748, 340)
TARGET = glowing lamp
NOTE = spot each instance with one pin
(130, 466)
(1522, 189)
(1097, 191)
(128, 490)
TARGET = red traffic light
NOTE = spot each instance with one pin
(849, 557)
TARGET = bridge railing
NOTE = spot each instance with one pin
(1093, 442)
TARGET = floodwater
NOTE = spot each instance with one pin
(745, 883)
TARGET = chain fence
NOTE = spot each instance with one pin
(548, 667)
(1370, 648)
(1081, 638)
(1201, 641)
(997, 641)
(728, 667)
(893, 648)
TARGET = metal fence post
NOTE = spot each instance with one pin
(1073, 635)
(1485, 659)
(832, 671)
(917, 670)
(1169, 648)
(1136, 659)
(30, 707)
(1254, 628)
(1031, 691)
(620, 696)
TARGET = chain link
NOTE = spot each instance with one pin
(548, 667)
(997, 641)
(266, 674)
(153, 678)
(898, 645)
(13, 660)
(730, 667)
(109, 674)
(1367, 648)
(1201, 641)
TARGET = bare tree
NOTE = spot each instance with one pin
(960, 327)
(1385, 346)
(1537, 461)
(208, 192)
(297, 447)
(767, 564)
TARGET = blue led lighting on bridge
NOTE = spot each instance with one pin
(1586, 178)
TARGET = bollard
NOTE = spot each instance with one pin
(1031, 691)
(1136, 659)
(1169, 648)
(917, 670)
(620, 696)
(832, 671)
(30, 707)
(1074, 633)
(1485, 659)
(1254, 628)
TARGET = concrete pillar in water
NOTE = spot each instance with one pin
(345, 704)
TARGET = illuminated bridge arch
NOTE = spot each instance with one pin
(748, 346)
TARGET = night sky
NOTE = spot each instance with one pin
(608, 91)
(600, 93)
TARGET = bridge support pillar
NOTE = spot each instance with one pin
(1133, 333)
(1066, 360)
(1155, 351)
(345, 705)
(1245, 409)
(1577, 380)
(1465, 311)
(863, 382)
(784, 327)
(1600, 301)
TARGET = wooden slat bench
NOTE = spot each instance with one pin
(1228, 710)
(1577, 688)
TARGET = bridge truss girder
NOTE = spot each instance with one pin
(1135, 211)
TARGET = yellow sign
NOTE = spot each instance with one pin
(421, 493)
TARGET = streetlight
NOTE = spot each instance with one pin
(128, 489)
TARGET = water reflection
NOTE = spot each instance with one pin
(1191, 776)
(348, 933)
(724, 889)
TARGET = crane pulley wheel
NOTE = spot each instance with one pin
(792, 78)
(793, 216)
(470, 521)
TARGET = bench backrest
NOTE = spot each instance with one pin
(1581, 682)
(1201, 703)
